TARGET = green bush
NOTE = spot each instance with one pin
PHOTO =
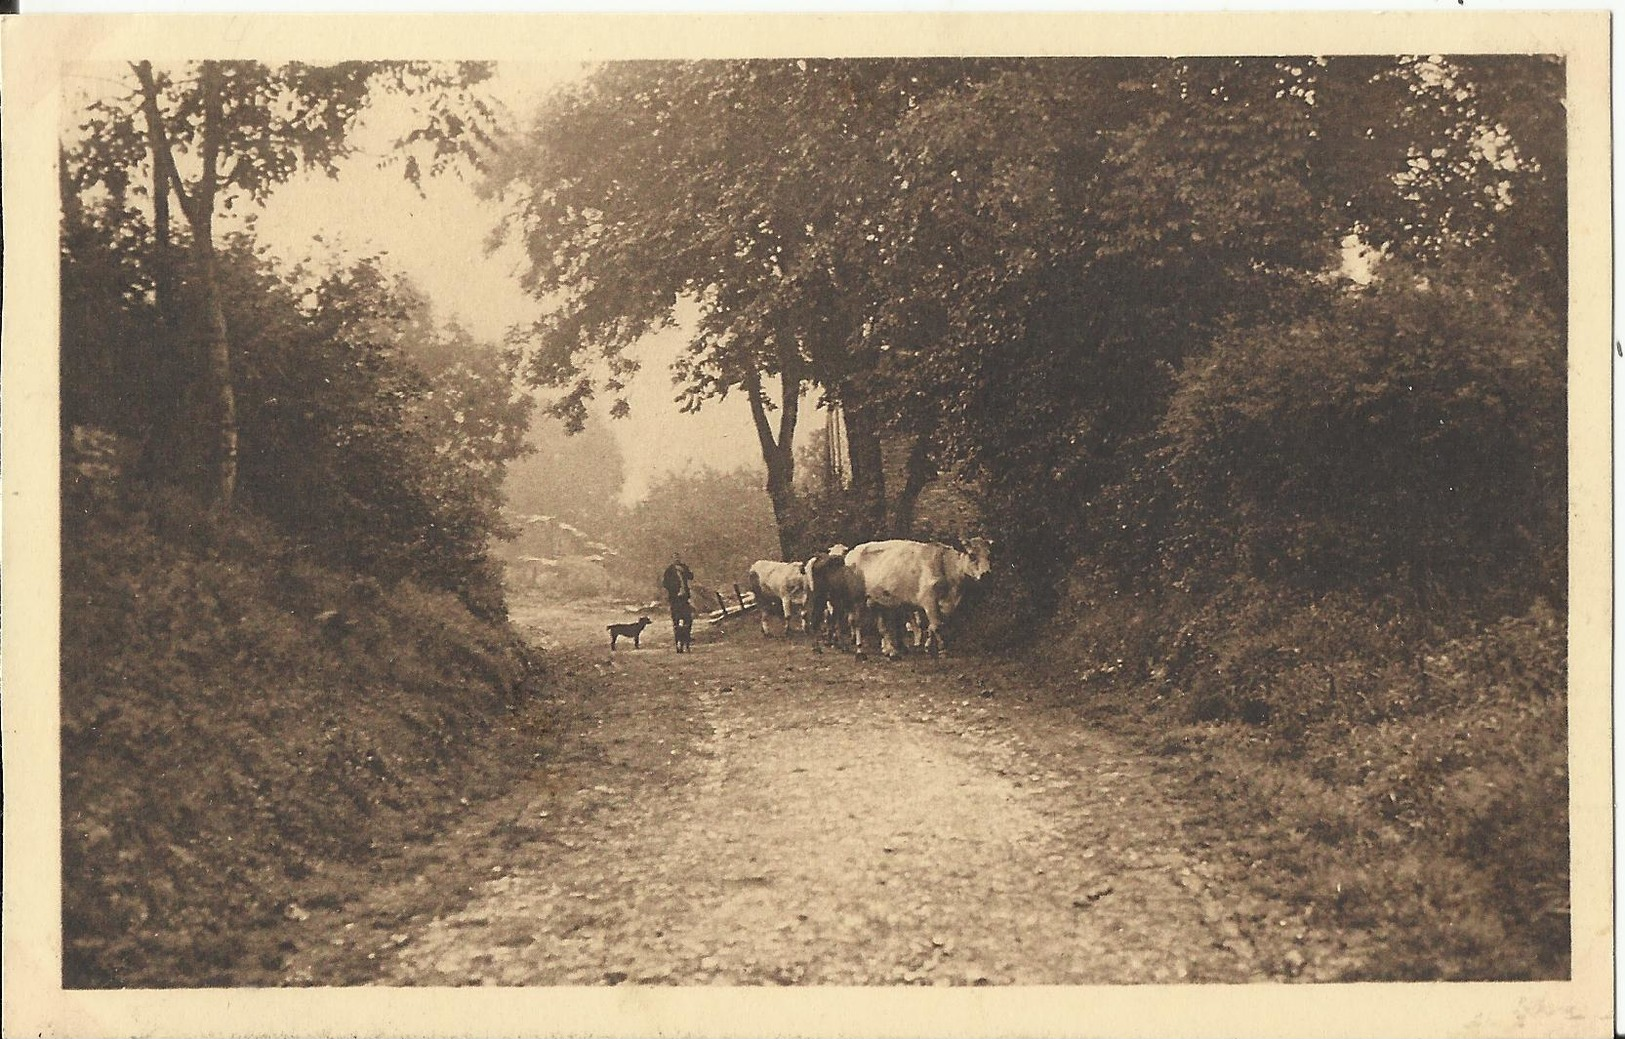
(1404, 770)
(1414, 433)
(368, 430)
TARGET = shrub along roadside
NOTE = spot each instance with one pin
(236, 718)
(1406, 786)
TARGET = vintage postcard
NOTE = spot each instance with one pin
(747, 524)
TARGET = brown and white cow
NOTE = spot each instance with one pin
(779, 586)
(897, 577)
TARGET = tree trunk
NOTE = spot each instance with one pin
(172, 451)
(216, 412)
(163, 266)
(868, 468)
(780, 488)
(917, 474)
(219, 399)
(779, 455)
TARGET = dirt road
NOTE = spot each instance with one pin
(757, 813)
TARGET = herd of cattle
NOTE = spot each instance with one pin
(878, 587)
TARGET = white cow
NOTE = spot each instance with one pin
(782, 586)
(897, 577)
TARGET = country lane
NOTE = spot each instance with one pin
(757, 813)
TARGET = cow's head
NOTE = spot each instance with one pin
(979, 556)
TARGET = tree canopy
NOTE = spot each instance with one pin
(1004, 264)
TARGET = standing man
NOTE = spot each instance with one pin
(676, 581)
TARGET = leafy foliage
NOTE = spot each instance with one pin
(1008, 263)
(378, 433)
(1471, 152)
(111, 352)
(730, 187)
(212, 134)
(369, 430)
(1411, 431)
(276, 121)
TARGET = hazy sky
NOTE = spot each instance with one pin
(437, 240)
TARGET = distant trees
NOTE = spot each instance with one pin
(718, 521)
(575, 478)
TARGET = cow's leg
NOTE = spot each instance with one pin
(880, 619)
(842, 622)
(892, 621)
(845, 621)
(832, 624)
(934, 642)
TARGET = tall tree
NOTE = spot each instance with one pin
(720, 185)
(213, 133)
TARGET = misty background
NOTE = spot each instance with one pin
(438, 238)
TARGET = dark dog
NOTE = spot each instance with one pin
(628, 631)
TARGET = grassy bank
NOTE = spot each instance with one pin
(240, 725)
(1404, 782)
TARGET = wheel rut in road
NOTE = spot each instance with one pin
(755, 813)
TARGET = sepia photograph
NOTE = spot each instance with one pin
(879, 526)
